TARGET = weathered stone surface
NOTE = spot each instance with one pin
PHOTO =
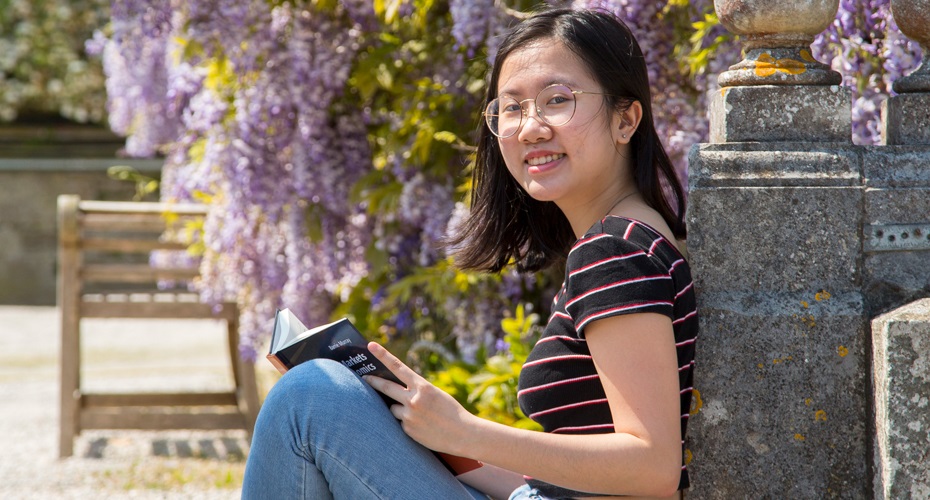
(783, 384)
(770, 113)
(779, 66)
(897, 192)
(775, 247)
(790, 239)
(893, 278)
(901, 370)
(897, 205)
(28, 232)
(913, 18)
(773, 164)
(776, 37)
(896, 166)
(906, 119)
(775, 21)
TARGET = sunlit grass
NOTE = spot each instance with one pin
(172, 474)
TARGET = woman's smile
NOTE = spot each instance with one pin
(542, 161)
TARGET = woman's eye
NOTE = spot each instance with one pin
(512, 108)
(557, 99)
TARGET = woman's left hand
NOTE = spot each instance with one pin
(427, 414)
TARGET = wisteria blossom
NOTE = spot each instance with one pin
(865, 46)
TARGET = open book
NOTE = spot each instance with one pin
(292, 343)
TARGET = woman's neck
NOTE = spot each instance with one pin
(584, 214)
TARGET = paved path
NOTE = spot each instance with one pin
(120, 355)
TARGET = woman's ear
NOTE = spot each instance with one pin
(627, 121)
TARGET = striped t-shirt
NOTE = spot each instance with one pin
(621, 266)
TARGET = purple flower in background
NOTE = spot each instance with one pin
(865, 46)
(471, 22)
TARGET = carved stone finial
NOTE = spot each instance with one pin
(776, 37)
(913, 17)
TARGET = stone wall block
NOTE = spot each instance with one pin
(906, 119)
(791, 239)
(748, 164)
(783, 386)
(897, 192)
(891, 279)
(901, 370)
(778, 113)
(896, 166)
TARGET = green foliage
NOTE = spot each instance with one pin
(44, 69)
(144, 184)
(417, 125)
(699, 36)
(489, 388)
(701, 52)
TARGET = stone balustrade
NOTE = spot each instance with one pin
(798, 240)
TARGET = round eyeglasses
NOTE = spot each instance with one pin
(555, 106)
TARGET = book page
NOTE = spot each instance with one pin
(289, 330)
(286, 328)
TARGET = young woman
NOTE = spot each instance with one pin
(569, 170)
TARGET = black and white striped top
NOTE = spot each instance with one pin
(621, 266)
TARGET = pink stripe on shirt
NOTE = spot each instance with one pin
(686, 316)
(615, 284)
(606, 261)
(568, 407)
(583, 428)
(607, 312)
(557, 383)
(556, 358)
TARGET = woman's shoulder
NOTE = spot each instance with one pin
(609, 238)
(619, 234)
(629, 229)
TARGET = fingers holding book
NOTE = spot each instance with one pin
(403, 372)
(427, 414)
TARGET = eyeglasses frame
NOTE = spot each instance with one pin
(524, 111)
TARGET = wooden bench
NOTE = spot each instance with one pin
(105, 272)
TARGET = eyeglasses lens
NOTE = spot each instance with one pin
(555, 105)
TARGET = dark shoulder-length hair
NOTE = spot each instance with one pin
(505, 224)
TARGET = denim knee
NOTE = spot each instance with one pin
(318, 383)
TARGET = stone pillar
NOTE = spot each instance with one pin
(774, 225)
(901, 353)
(896, 265)
(779, 92)
(906, 116)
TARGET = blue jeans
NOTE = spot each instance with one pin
(323, 433)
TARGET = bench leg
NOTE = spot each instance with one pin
(70, 385)
(244, 377)
(248, 395)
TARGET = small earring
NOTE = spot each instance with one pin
(624, 136)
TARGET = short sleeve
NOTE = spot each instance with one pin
(612, 274)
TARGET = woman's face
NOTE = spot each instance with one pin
(573, 164)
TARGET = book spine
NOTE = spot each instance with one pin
(457, 465)
(278, 363)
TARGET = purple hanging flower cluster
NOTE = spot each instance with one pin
(865, 45)
(238, 94)
(134, 60)
(471, 22)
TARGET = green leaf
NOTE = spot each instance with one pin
(447, 137)
(384, 76)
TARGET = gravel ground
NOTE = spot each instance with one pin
(159, 355)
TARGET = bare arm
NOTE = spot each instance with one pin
(635, 357)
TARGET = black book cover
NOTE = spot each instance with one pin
(292, 344)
